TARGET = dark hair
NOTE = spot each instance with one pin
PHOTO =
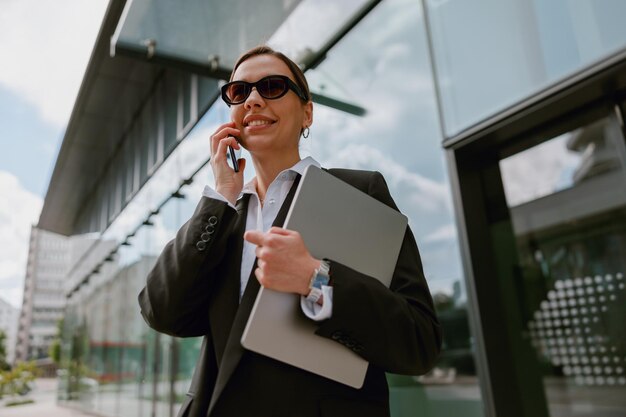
(297, 73)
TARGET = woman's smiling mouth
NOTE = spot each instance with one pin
(257, 120)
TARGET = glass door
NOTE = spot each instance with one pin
(566, 199)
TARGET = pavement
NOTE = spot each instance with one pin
(44, 395)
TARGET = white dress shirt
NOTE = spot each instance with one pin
(260, 217)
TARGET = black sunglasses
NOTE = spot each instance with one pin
(270, 87)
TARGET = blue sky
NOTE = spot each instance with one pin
(44, 48)
(31, 142)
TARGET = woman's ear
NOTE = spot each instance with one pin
(307, 120)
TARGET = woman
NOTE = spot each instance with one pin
(206, 279)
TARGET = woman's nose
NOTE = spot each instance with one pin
(254, 99)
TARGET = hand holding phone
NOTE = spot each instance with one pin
(233, 158)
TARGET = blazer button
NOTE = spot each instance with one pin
(209, 229)
(336, 335)
(212, 220)
(205, 237)
(201, 246)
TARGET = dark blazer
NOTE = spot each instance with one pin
(193, 290)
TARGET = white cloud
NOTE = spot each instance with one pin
(423, 193)
(45, 46)
(443, 234)
(539, 171)
(19, 209)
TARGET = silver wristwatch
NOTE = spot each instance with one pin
(320, 277)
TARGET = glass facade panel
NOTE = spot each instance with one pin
(162, 370)
(130, 347)
(491, 54)
(297, 40)
(383, 66)
(129, 171)
(149, 121)
(568, 207)
(208, 90)
(169, 94)
(195, 30)
(187, 351)
(186, 97)
(113, 364)
(103, 205)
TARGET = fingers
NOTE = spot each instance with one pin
(222, 132)
(221, 144)
(242, 164)
(255, 237)
(272, 238)
(283, 262)
(280, 231)
(221, 148)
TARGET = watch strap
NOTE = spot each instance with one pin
(314, 294)
(320, 277)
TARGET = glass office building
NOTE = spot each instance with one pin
(499, 126)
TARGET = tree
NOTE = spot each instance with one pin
(18, 380)
(4, 365)
(54, 351)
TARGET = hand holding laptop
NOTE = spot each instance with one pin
(284, 262)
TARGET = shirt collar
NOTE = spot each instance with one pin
(288, 174)
(302, 165)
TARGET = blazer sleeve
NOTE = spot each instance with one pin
(175, 298)
(393, 328)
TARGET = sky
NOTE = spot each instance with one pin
(44, 49)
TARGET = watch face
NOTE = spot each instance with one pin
(320, 280)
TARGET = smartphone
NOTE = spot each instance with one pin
(233, 157)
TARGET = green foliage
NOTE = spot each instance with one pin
(19, 402)
(443, 302)
(54, 351)
(4, 365)
(17, 380)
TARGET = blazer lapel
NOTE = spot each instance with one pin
(234, 350)
(223, 309)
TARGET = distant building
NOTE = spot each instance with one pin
(8, 324)
(44, 297)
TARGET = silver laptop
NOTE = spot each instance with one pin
(366, 236)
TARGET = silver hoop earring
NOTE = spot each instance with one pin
(305, 132)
